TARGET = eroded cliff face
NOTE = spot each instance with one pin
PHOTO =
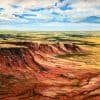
(31, 71)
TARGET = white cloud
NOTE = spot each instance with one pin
(23, 6)
(80, 9)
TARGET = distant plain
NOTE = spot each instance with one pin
(89, 40)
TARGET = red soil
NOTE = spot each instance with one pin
(33, 72)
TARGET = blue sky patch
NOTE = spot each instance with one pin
(61, 0)
(66, 7)
(15, 6)
(2, 9)
(92, 19)
(36, 10)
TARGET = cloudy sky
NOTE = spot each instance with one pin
(50, 14)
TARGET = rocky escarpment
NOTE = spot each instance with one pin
(29, 54)
(30, 71)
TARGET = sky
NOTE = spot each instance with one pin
(50, 15)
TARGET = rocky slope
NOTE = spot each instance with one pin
(31, 71)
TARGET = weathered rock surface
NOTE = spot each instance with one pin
(32, 72)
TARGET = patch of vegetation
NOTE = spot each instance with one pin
(79, 35)
(88, 43)
(73, 55)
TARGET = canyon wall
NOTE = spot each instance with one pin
(32, 71)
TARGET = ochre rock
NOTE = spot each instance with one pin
(33, 72)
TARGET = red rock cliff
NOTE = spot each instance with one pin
(32, 72)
